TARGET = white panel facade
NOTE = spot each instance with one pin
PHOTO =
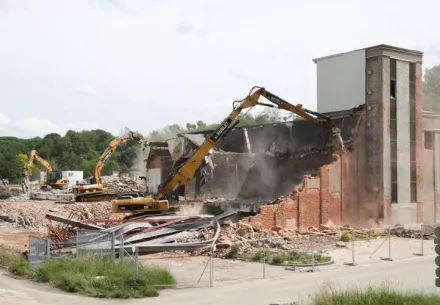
(153, 179)
(341, 81)
(73, 176)
(403, 133)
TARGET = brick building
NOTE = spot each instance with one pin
(387, 175)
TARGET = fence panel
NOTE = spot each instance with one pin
(39, 251)
(97, 243)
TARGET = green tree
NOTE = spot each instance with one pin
(431, 89)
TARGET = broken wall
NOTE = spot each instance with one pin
(318, 200)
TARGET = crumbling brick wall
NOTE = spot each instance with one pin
(319, 200)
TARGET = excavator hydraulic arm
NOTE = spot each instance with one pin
(96, 191)
(184, 172)
(130, 135)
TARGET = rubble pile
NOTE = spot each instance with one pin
(407, 232)
(251, 238)
(122, 185)
(16, 198)
(32, 214)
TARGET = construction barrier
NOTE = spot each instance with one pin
(38, 251)
(93, 242)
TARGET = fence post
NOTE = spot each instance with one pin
(312, 237)
(421, 242)
(77, 238)
(389, 247)
(136, 249)
(211, 272)
(113, 245)
(353, 263)
(48, 249)
(121, 247)
(264, 264)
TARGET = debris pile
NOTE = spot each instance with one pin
(34, 212)
(407, 232)
(121, 185)
(251, 238)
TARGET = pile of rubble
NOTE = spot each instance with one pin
(32, 214)
(413, 232)
(121, 185)
(250, 238)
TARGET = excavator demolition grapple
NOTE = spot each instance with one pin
(167, 197)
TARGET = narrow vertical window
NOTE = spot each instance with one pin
(393, 130)
(412, 129)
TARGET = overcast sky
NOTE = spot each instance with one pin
(143, 64)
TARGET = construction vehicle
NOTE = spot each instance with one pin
(167, 196)
(53, 179)
(94, 190)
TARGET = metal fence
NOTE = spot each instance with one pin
(39, 251)
(92, 242)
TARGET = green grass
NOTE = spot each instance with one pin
(105, 278)
(373, 296)
(289, 257)
(98, 277)
(233, 252)
(15, 263)
(347, 236)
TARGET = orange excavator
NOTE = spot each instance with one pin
(53, 179)
(95, 191)
(167, 197)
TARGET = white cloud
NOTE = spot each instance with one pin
(4, 119)
(36, 125)
(79, 126)
(174, 61)
(87, 90)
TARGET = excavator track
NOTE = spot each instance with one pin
(96, 198)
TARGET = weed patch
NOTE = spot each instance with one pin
(104, 277)
(347, 236)
(377, 296)
(290, 257)
(15, 263)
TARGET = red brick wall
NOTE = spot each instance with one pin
(311, 206)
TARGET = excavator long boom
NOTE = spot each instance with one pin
(35, 156)
(131, 135)
(167, 196)
(96, 191)
(187, 170)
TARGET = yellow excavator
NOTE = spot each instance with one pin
(95, 190)
(53, 179)
(167, 197)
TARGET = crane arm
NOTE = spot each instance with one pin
(186, 170)
(130, 135)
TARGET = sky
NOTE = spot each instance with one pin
(144, 64)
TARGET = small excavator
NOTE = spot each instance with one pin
(167, 197)
(95, 190)
(54, 179)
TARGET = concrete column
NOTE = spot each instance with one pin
(436, 169)
(386, 144)
(403, 133)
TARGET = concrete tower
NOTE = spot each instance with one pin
(388, 81)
